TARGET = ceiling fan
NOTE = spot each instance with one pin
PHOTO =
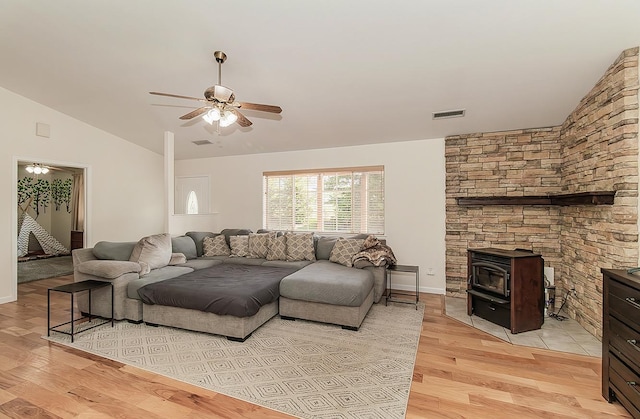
(221, 106)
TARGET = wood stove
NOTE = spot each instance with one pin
(506, 287)
(490, 273)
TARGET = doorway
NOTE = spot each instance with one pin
(50, 218)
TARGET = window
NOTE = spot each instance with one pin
(344, 200)
(192, 203)
(191, 195)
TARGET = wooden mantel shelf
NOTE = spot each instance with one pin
(580, 198)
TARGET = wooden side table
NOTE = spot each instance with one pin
(392, 296)
(72, 289)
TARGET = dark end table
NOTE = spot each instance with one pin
(73, 289)
(392, 296)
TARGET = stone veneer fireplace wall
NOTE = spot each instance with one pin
(595, 150)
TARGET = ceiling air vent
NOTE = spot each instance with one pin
(449, 114)
(202, 142)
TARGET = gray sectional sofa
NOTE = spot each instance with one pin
(317, 290)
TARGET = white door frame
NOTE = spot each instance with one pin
(14, 213)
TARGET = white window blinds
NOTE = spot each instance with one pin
(342, 200)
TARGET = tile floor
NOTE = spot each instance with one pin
(564, 336)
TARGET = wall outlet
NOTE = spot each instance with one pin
(430, 271)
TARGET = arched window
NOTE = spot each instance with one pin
(191, 195)
(192, 203)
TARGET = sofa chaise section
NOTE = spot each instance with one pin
(328, 292)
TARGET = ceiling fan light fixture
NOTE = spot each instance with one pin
(37, 168)
(228, 118)
(212, 116)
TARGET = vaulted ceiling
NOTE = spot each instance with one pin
(345, 72)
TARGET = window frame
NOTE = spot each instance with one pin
(184, 185)
(358, 194)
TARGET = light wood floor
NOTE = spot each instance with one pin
(460, 372)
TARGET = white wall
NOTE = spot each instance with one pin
(414, 195)
(125, 181)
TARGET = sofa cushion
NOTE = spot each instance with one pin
(239, 246)
(344, 250)
(108, 269)
(228, 232)
(264, 230)
(152, 251)
(201, 263)
(329, 283)
(285, 264)
(277, 248)
(215, 246)
(243, 261)
(259, 245)
(113, 250)
(197, 237)
(324, 245)
(361, 264)
(300, 246)
(177, 259)
(184, 245)
(155, 276)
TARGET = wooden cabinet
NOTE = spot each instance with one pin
(77, 239)
(520, 307)
(621, 339)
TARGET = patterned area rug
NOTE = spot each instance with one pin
(306, 369)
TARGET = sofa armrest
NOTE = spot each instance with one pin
(82, 255)
(379, 281)
(108, 269)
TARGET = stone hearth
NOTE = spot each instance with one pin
(594, 150)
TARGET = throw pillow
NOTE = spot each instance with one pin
(277, 248)
(177, 259)
(300, 246)
(184, 245)
(228, 232)
(198, 238)
(344, 250)
(324, 247)
(239, 246)
(215, 246)
(152, 252)
(259, 245)
(113, 251)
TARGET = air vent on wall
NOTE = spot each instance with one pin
(202, 142)
(449, 114)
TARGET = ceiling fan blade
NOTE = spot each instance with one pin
(178, 96)
(242, 120)
(259, 107)
(195, 112)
